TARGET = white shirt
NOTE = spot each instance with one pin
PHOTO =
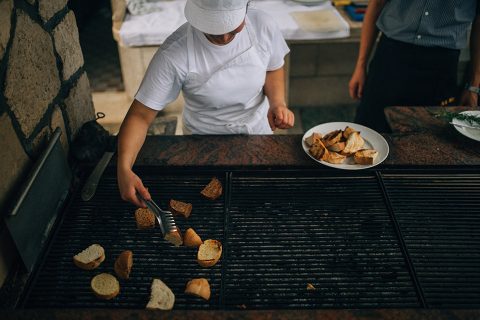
(167, 71)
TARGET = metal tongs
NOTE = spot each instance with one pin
(164, 218)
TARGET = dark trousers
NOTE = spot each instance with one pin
(402, 74)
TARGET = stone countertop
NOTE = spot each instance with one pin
(418, 138)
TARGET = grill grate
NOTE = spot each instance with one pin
(282, 229)
(332, 232)
(109, 221)
(439, 217)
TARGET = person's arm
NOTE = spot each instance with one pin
(130, 139)
(469, 98)
(367, 40)
(279, 116)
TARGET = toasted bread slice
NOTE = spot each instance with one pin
(123, 264)
(354, 143)
(145, 218)
(198, 287)
(334, 157)
(213, 189)
(209, 253)
(180, 208)
(337, 147)
(191, 238)
(332, 137)
(365, 156)
(348, 130)
(175, 237)
(314, 138)
(105, 286)
(161, 297)
(90, 258)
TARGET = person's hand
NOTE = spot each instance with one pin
(469, 99)
(357, 83)
(129, 184)
(280, 117)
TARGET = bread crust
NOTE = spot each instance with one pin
(213, 244)
(109, 296)
(123, 264)
(180, 208)
(365, 156)
(92, 264)
(213, 190)
(191, 239)
(198, 287)
(175, 237)
(145, 218)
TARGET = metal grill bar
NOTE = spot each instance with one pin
(439, 217)
(109, 221)
(281, 230)
(332, 232)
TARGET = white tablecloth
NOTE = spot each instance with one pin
(153, 28)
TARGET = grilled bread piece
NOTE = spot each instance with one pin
(145, 218)
(332, 137)
(314, 138)
(209, 253)
(198, 287)
(180, 208)
(161, 297)
(333, 157)
(337, 147)
(354, 143)
(105, 286)
(191, 238)
(175, 237)
(123, 264)
(348, 131)
(212, 190)
(90, 258)
(366, 156)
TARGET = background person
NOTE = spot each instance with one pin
(416, 60)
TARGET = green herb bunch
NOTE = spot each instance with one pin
(449, 116)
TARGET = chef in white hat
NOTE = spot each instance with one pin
(228, 62)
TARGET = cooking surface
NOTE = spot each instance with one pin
(371, 239)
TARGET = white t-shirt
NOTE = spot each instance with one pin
(169, 66)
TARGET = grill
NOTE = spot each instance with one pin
(372, 239)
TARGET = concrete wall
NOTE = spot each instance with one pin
(43, 86)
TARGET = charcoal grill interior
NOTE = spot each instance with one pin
(373, 239)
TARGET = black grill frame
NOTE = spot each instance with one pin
(220, 286)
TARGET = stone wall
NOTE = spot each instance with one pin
(43, 86)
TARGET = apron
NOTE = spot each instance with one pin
(229, 99)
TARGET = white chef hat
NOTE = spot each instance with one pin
(215, 16)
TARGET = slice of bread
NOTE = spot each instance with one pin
(191, 238)
(90, 258)
(145, 218)
(105, 286)
(213, 189)
(161, 297)
(209, 253)
(123, 264)
(174, 237)
(198, 287)
(365, 156)
(180, 208)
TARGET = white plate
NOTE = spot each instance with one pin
(468, 132)
(373, 140)
(310, 2)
